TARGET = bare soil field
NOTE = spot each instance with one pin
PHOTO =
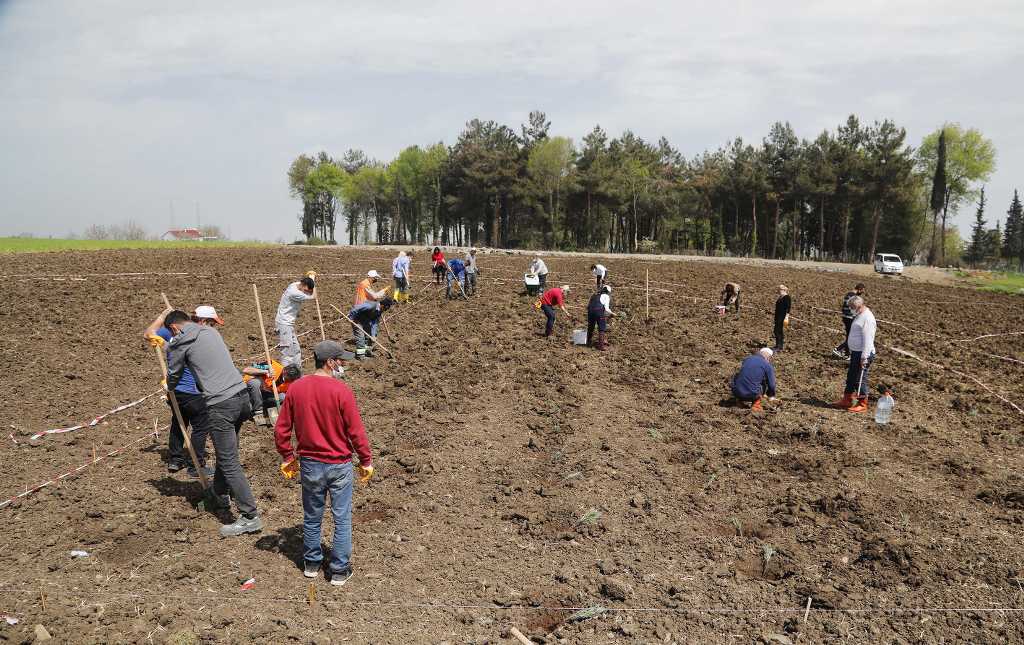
(519, 478)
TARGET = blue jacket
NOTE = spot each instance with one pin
(756, 377)
(187, 384)
(458, 268)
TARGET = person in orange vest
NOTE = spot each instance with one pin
(364, 290)
(261, 380)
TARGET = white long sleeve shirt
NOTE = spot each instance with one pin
(599, 270)
(862, 333)
(291, 303)
(538, 267)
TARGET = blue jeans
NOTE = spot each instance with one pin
(317, 479)
(549, 313)
(853, 375)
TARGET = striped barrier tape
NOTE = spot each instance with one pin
(94, 421)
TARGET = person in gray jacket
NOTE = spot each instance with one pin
(203, 351)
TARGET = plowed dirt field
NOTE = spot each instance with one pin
(520, 478)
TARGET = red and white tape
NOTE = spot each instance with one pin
(74, 471)
(95, 420)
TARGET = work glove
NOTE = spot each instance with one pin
(365, 472)
(290, 467)
(155, 341)
(311, 275)
(163, 384)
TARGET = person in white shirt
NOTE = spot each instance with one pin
(401, 272)
(598, 310)
(539, 269)
(472, 271)
(287, 312)
(600, 273)
(861, 342)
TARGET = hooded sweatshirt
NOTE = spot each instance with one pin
(203, 351)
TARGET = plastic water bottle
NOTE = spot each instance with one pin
(883, 411)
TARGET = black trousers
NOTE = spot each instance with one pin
(780, 333)
(191, 405)
(843, 347)
(595, 319)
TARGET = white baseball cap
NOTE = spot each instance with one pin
(372, 273)
(766, 352)
(206, 311)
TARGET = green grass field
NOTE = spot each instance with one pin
(999, 281)
(39, 244)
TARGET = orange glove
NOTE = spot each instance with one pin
(365, 473)
(155, 341)
(290, 468)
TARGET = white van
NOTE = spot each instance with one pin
(888, 263)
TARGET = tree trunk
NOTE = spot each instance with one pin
(775, 229)
(846, 230)
(753, 225)
(821, 228)
(496, 226)
(876, 219)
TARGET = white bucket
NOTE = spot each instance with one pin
(579, 337)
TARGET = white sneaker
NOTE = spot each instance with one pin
(311, 569)
(340, 578)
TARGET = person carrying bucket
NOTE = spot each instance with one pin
(598, 310)
(862, 354)
(553, 298)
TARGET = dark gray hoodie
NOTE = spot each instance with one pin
(203, 351)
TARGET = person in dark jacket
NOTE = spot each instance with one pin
(782, 306)
(755, 379)
(367, 320)
(456, 273)
(598, 310)
(843, 350)
(731, 296)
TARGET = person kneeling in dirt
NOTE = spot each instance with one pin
(322, 411)
(456, 273)
(553, 298)
(755, 379)
(731, 296)
(438, 264)
(472, 271)
(203, 352)
(260, 380)
(366, 318)
(598, 310)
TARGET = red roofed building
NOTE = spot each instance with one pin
(182, 234)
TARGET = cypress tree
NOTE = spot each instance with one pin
(978, 249)
(938, 199)
(1013, 234)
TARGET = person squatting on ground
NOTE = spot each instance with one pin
(190, 400)
(401, 272)
(600, 275)
(598, 310)
(842, 350)
(366, 318)
(365, 292)
(472, 271)
(202, 350)
(548, 301)
(322, 412)
(755, 378)
(260, 379)
(731, 296)
(539, 269)
(287, 313)
(861, 342)
(438, 265)
(782, 306)
(456, 273)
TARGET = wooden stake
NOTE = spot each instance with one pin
(42, 599)
(519, 636)
(647, 288)
(181, 422)
(167, 303)
(384, 321)
(807, 611)
(311, 594)
(266, 348)
(370, 336)
(94, 454)
(319, 316)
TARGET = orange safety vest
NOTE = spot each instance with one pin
(361, 290)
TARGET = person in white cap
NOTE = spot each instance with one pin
(287, 313)
(539, 269)
(364, 290)
(755, 379)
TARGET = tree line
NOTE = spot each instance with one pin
(843, 196)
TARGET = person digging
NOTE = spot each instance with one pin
(366, 320)
(322, 412)
(755, 379)
(287, 313)
(202, 350)
(598, 311)
(842, 350)
(554, 297)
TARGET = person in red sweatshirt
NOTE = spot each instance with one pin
(440, 267)
(322, 411)
(553, 298)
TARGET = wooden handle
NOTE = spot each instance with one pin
(266, 348)
(181, 422)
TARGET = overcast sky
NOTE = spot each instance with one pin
(118, 109)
